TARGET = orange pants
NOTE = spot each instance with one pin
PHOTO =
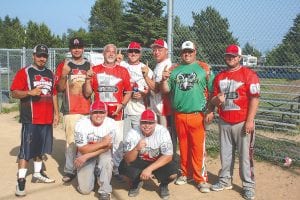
(191, 136)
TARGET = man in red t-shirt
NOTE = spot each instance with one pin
(70, 75)
(34, 85)
(236, 94)
(110, 84)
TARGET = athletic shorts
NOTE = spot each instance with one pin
(36, 140)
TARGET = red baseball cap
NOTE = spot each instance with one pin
(233, 50)
(160, 43)
(134, 45)
(98, 106)
(148, 116)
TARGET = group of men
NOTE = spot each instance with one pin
(131, 128)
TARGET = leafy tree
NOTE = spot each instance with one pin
(250, 50)
(181, 34)
(213, 34)
(12, 33)
(40, 34)
(105, 22)
(287, 53)
(144, 22)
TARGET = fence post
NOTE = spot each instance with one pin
(23, 61)
(170, 28)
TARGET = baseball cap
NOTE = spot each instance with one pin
(188, 45)
(76, 42)
(160, 43)
(40, 49)
(233, 50)
(134, 45)
(148, 116)
(98, 106)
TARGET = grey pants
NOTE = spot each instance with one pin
(86, 176)
(232, 138)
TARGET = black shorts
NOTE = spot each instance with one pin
(135, 168)
(36, 140)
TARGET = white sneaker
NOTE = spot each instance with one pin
(41, 178)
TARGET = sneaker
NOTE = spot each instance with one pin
(249, 194)
(135, 188)
(164, 191)
(104, 196)
(181, 180)
(68, 177)
(219, 187)
(203, 187)
(41, 178)
(20, 187)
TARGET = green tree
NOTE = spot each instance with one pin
(181, 34)
(213, 34)
(40, 34)
(12, 33)
(144, 22)
(105, 22)
(287, 53)
(250, 50)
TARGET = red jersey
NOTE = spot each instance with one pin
(73, 100)
(110, 83)
(238, 86)
(35, 109)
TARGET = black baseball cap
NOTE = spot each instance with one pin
(40, 49)
(76, 42)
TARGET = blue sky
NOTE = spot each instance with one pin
(263, 23)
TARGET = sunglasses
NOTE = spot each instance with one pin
(41, 55)
(134, 51)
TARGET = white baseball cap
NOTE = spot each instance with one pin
(188, 45)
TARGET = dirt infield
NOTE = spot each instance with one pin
(273, 182)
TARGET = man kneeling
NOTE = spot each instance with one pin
(148, 151)
(94, 136)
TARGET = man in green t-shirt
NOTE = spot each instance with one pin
(189, 85)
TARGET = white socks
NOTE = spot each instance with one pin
(37, 167)
(22, 173)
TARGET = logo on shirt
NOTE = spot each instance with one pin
(44, 82)
(186, 81)
(229, 87)
(107, 87)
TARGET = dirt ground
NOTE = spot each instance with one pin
(273, 182)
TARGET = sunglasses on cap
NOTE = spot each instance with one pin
(134, 51)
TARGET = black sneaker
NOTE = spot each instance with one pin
(20, 187)
(135, 188)
(68, 177)
(164, 191)
(104, 196)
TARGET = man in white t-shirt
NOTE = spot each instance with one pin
(160, 103)
(148, 150)
(94, 136)
(138, 102)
